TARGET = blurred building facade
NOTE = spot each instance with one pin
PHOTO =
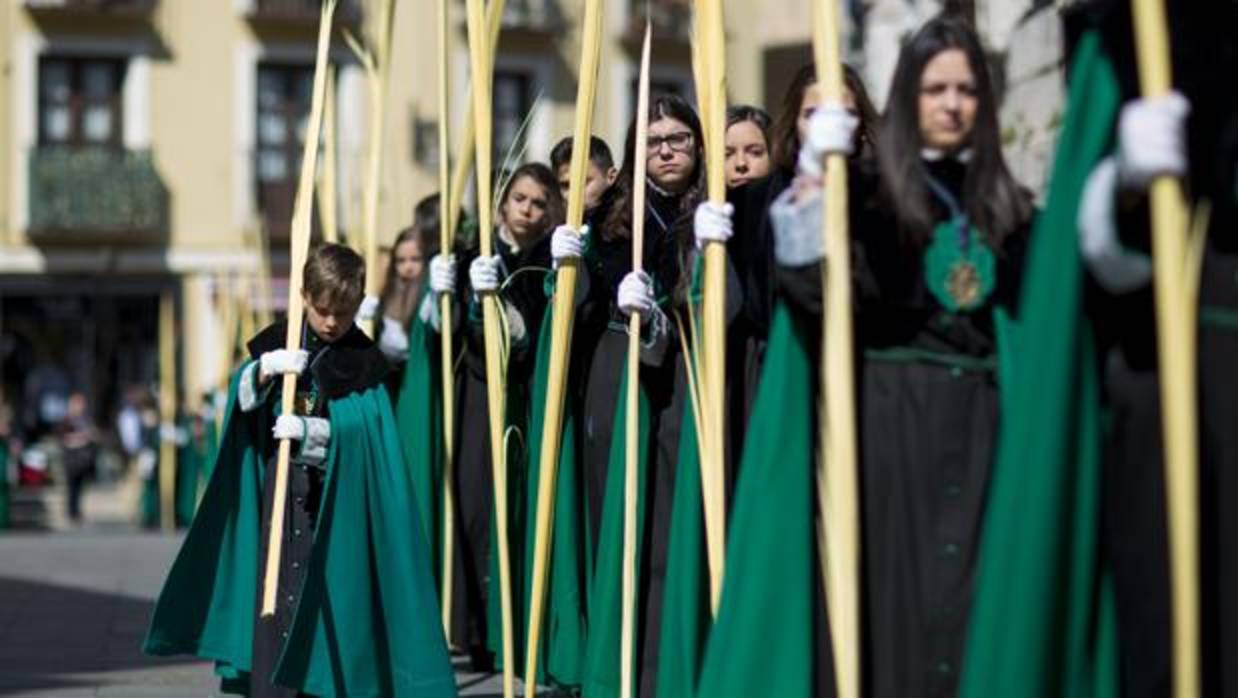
(151, 146)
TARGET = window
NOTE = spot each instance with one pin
(513, 102)
(80, 101)
(284, 95)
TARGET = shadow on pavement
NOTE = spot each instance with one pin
(54, 636)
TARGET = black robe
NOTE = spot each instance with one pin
(352, 364)
(927, 409)
(750, 298)
(1134, 533)
(667, 225)
(524, 290)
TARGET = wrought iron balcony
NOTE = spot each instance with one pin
(300, 11)
(538, 16)
(129, 8)
(98, 191)
(531, 17)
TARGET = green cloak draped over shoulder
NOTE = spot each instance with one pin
(762, 641)
(419, 416)
(602, 656)
(561, 656)
(367, 623)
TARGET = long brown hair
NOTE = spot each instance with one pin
(994, 201)
(399, 299)
(556, 209)
(785, 134)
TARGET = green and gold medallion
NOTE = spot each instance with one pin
(959, 267)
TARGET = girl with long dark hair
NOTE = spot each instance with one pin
(405, 283)
(937, 237)
(529, 208)
(747, 145)
(751, 250)
(674, 188)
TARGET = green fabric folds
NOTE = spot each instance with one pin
(419, 415)
(685, 609)
(602, 655)
(207, 604)
(367, 623)
(762, 640)
(1040, 544)
(561, 656)
(190, 466)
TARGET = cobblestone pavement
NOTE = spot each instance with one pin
(73, 610)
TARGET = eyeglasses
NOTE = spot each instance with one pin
(680, 142)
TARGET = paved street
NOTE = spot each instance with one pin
(74, 606)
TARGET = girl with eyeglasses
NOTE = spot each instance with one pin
(674, 187)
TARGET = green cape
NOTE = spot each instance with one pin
(762, 640)
(561, 655)
(1041, 539)
(419, 415)
(367, 623)
(602, 665)
(685, 609)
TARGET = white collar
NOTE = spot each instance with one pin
(962, 155)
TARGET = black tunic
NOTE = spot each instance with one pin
(524, 290)
(352, 364)
(667, 225)
(928, 417)
(1204, 41)
(750, 256)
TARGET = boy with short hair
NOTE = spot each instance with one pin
(600, 175)
(356, 610)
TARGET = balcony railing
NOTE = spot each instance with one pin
(301, 11)
(533, 15)
(111, 7)
(98, 191)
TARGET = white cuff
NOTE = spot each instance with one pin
(428, 311)
(655, 338)
(314, 447)
(798, 235)
(393, 342)
(517, 331)
(248, 396)
(1117, 269)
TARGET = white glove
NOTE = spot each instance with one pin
(393, 342)
(171, 433)
(147, 460)
(313, 432)
(831, 130)
(636, 295)
(486, 273)
(368, 310)
(712, 223)
(220, 400)
(1115, 268)
(567, 243)
(798, 236)
(282, 361)
(443, 274)
(1152, 140)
